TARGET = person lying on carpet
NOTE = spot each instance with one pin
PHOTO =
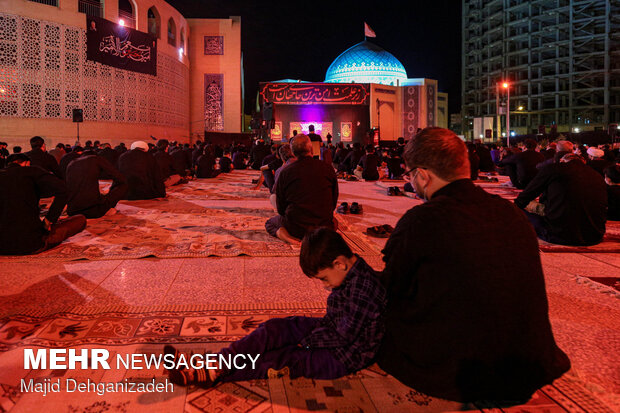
(467, 315)
(21, 229)
(345, 340)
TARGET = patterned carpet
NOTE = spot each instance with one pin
(195, 220)
(199, 217)
(125, 331)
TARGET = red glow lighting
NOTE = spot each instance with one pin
(505, 85)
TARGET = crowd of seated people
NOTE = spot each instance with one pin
(71, 175)
(557, 193)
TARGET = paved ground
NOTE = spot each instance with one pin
(585, 315)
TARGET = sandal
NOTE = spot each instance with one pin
(377, 232)
(393, 191)
(343, 208)
(356, 208)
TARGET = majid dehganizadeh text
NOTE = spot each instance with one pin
(97, 358)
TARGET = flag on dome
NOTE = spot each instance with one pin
(368, 32)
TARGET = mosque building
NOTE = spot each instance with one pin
(366, 96)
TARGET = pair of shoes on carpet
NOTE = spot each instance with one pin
(355, 208)
(380, 231)
(393, 191)
(187, 377)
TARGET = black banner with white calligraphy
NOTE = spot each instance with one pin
(122, 47)
(315, 93)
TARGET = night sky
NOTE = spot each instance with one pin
(299, 40)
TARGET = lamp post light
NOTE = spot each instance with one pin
(506, 86)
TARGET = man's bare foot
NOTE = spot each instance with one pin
(284, 235)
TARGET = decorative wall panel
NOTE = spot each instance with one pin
(430, 105)
(214, 102)
(346, 131)
(214, 45)
(411, 108)
(44, 74)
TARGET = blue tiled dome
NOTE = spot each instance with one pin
(366, 63)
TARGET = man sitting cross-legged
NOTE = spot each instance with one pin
(21, 229)
(306, 195)
(345, 340)
(575, 202)
(456, 323)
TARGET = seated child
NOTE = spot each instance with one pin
(345, 340)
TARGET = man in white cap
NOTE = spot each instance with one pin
(142, 173)
(596, 161)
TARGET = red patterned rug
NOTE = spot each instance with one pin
(132, 330)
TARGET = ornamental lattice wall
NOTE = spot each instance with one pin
(44, 74)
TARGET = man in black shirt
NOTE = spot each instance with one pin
(521, 167)
(484, 154)
(352, 159)
(142, 173)
(239, 157)
(456, 324)
(83, 186)
(181, 161)
(368, 164)
(270, 164)
(68, 158)
(562, 148)
(108, 154)
(164, 161)
(612, 179)
(39, 157)
(21, 229)
(226, 164)
(258, 153)
(575, 200)
(4, 154)
(306, 195)
(316, 140)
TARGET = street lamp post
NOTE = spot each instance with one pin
(506, 86)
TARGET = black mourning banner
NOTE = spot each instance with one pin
(118, 46)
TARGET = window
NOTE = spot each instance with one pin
(126, 13)
(172, 32)
(153, 22)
